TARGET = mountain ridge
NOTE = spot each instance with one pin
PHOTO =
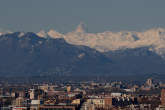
(112, 41)
(30, 54)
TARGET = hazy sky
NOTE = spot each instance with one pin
(65, 15)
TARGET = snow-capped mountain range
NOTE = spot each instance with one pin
(82, 53)
(110, 41)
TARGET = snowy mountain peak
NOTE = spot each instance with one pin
(21, 34)
(111, 41)
(5, 32)
(1, 33)
(80, 28)
(42, 34)
(54, 34)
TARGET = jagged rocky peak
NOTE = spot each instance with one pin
(81, 28)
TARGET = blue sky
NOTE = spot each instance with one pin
(65, 15)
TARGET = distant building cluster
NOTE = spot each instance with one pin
(86, 95)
